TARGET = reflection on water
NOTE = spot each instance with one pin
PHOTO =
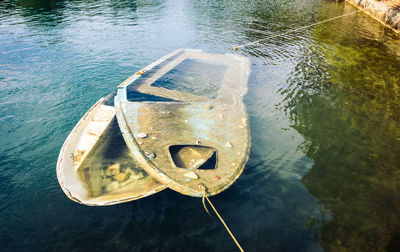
(40, 13)
(324, 113)
(344, 99)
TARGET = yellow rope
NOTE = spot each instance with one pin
(204, 205)
(203, 190)
(293, 30)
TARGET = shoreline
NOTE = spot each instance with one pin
(385, 12)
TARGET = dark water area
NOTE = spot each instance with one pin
(323, 104)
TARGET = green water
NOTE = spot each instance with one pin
(323, 104)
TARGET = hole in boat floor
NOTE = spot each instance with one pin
(193, 157)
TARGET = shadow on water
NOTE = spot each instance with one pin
(50, 13)
(344, 98)
(38, 6)
(41, 13)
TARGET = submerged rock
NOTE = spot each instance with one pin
(134, 175)
(228, 145)
(113, 169)
(191, 175)
(141, 135)
(121, 177)
(128, 171)
(137, 176)
(150, 155)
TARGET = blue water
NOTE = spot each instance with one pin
(323, 104)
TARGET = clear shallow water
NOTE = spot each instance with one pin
(324, 108)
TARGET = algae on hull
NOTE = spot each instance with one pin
(191, 128)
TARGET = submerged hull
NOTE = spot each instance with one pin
(183, 137)
(95, 167)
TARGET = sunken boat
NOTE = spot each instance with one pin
(95, 167)
(184, 120)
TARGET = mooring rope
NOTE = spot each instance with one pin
(293, 30)
(203, 191)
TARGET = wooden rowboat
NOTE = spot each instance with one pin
(95, 166)
(184, 120)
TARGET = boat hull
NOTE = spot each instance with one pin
(174, 140)
(94, 165)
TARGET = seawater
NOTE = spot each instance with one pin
(323, 103)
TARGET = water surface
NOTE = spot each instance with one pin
(323, 103)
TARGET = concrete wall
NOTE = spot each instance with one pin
(386, 12)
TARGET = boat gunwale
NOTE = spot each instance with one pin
(178, 56)
(62, 155)
(153, 170)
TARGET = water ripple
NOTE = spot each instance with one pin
(324, 112)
